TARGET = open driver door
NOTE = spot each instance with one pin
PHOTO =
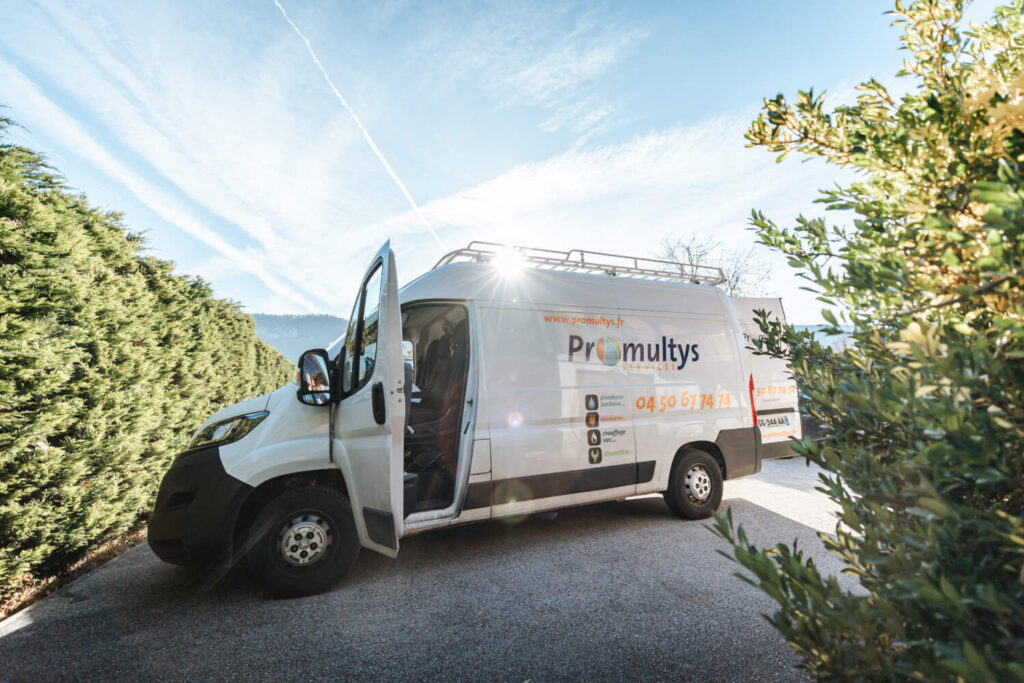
(370, 417)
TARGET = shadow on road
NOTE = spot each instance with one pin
(607, 591)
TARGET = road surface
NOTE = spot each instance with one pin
(604, 592)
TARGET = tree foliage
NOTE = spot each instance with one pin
(925, 414)
(107, 361)
(745, 273)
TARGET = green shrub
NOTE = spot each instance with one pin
(107, 362)
(925, 453)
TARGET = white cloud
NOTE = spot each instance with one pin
(582, 56)
(625, 198)
(539, 54)
(243, 127)
(259, 150)
(63, 127)
(355, 118)
(560, 79)
(583, 118)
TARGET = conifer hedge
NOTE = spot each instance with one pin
(108, 362)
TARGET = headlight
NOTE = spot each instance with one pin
(226, 431)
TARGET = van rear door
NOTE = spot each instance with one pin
(369, 423)
(775, 391)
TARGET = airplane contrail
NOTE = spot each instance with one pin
(362, 128)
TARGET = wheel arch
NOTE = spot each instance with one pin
(708, 447)
(274, 487)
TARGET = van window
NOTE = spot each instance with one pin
(350, 349)
(369, 327)
(361, 338)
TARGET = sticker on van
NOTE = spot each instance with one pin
(666, 353)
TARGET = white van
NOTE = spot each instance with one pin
(503, 382)
(775, 391)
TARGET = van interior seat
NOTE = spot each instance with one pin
(407, 383)
(455, 390)
(435, 403)
(427, 364)
(436, 380)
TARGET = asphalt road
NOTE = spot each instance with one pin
(604, 592)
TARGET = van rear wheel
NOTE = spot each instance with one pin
(694, 486)
(304, 541)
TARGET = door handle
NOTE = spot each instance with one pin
(378, 402)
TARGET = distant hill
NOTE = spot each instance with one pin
(837, 342)
(293, 334)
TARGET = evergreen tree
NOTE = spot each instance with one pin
(108, 362)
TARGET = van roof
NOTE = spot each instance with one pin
(583, 261)
(486, 281)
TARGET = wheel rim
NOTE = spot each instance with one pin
(698, 484)
(304, 539)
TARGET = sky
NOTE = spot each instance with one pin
(597, 125)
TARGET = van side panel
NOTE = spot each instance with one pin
(775, 390)
(686, 384)
(558, 418)
(555, 345)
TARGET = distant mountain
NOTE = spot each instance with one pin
(837, 341)
(293, 334)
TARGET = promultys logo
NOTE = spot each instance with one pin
(609, 351)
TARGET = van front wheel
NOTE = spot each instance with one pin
(694, 486)
(303, 541)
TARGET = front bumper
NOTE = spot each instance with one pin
(193, 519)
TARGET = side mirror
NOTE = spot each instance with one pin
(314, 378)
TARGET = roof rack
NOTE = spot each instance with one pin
(582, 261)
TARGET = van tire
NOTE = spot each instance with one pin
(694, 485)
(322, 514)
